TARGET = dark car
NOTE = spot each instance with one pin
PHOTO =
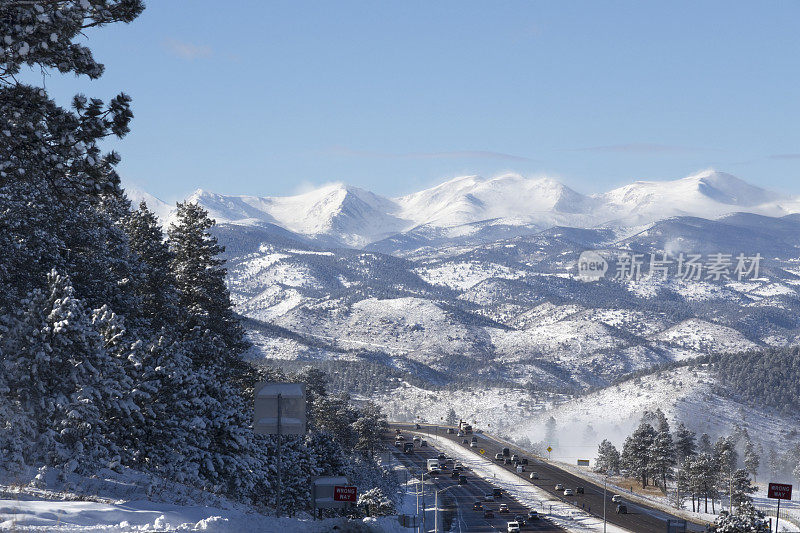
(497, 493)
(408, 447)
(455, 474)
(477, 506)
(464, 441)
(423, 443)
(521, 519)
(533, 514)
(462, 479)
(523, 461)
(515, 457)
(442, 457)
(579, 490)
(417, 426)
(622, 509)
(474, 439)
(488, 513)
(450, 430)
(506, 452)
(506, 461)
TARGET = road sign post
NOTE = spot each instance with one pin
(279, 409)
(779, 491)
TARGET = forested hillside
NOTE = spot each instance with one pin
(119, 347)
(766, 378)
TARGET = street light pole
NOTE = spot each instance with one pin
(605, 481)
(436, 508)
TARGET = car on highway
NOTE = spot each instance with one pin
(474, 438)
(559, 486)
(473, 444)
(498, 457)
(579, 490)
(520, 469)
(450, 431)
(408, 447)
(533, 514)
(622, 509)
(512, 527)
(506, 452)
(534, 475)
(417, 426)
(506, 461)
(464, 441)
(524, 461)
(521, 519)
(569, 492)
(515, 457)
(497, 493)
(488, 498)
(616, 498)
(488, 513)
(477, 506)
(416, 438)
(455, 474)
(460, 433)
(503, 508)
(462, 479)
(399, 437)
(398, 443)
(423, 443)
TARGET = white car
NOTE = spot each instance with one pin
(534, 475)
(559, 486)
(473, 444)
(616, 498)
(498, 457)
(512, 527)
(569, 492)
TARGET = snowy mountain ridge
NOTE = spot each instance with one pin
(354, 217)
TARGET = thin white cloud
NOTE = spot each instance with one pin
(785, 156)
(184, 50)
(455, 154)
(639, 148)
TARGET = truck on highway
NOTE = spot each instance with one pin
(433, 466)
(465, 428)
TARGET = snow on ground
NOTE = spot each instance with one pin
(464, 275)
(500, 408)
(684, 394)
(569, 517)
(702, 335)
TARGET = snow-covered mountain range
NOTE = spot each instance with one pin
(473, 283)
(344, 215)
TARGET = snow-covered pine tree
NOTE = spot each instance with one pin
(703, 478)
(217, 336)
(751, 458)
(684, 443)
(155, 288)
(741, 488)
(744, 519)
(608, 459)
(636, 455)
(662, 453)
(61, 374)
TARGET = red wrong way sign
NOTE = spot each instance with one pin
(344, 494)
(779, 491)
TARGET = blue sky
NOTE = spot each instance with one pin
(269, 98)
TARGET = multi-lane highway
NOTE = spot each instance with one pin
(639, 518)
(456, 501)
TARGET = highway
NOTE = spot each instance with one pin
(457, 501)
(639, 518)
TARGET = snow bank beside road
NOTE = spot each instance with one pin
(93, 517)
(569, 517)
